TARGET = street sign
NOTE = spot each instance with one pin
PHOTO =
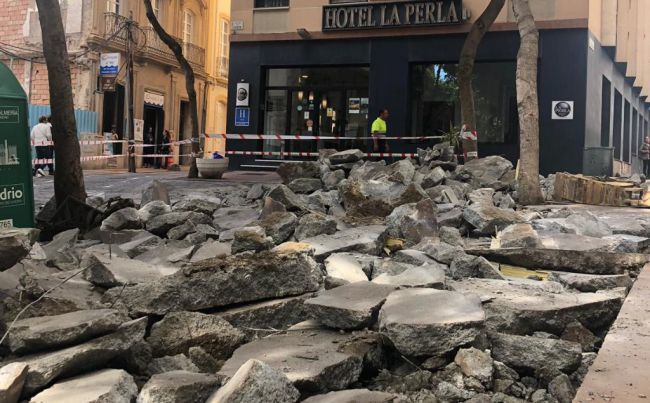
(243, 94)
(562, 110)
(16, 189)
(108, 83)
(109, 64)
(242, 117)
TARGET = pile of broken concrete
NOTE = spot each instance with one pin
(352, 281)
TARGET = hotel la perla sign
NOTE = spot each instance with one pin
(391, 15)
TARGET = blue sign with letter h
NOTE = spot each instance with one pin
(242, 117)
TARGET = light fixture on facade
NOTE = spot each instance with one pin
(311, 96)
(324, 103)
(303, 33)
(301, 95)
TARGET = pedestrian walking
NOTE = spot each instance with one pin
(379, 129)
(41, 136)
(165, 148)
(644, 152)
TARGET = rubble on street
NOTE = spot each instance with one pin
(350, 281)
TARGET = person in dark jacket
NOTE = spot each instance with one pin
(644, 153)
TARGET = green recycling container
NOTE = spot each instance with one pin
(16, 188)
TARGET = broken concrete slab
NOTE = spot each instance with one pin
(343, 268)
(353, 396)
(141, 244)
(155, 191)
(468, 266)
(427, 322)
(178, 331)
(412, 256)
(279, 226)
(523, 307)
(440, 251)
(227, 218)
(50, 332)
(289, 171)
(516, 236)
(15, 244)
(360, 239)
(198, 205)
(221, 282)
(527, 354)
(591, 282)
(574, 242)
(61, 250)
(211, 250)
(251, 239)
(427, 276)
(153, 209)
(305, 185)
(266, 317)
(12, 379)
(311, 360)
(178, 362)
(107, 272)
(586, 262)
(47, 367)
(161, 224)
(108, 385)
(315, 224)
(413, 222)
(344, 157)
(256, 380)
(126, 218)
(623, 243)
(178, 386)
(488, 219)
(475, 363)
(351, 306)
(488, 172)
(286, 196)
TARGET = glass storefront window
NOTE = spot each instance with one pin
(435, 107)
(318, 77)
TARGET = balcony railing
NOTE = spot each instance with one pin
(154, 46)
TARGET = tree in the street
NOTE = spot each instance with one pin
(528, 105)
(177, 49)
(68, 177)
(467, 61)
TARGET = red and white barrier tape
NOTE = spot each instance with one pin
(89, 158)
(313, 154)
(308, 137)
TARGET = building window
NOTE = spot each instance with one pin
(155, 5)
(347, 1)
(605, 114)
(188, 27)
(113, 6)
(626, 131)
(225, 48)
(618, 124)
(435, 105)
(635, 130)
(271, 3)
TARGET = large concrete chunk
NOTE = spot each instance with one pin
(161, 224)
(126, 218)
(315, 224)
(256, 381)
(591, 282)
(220, 282)
(311, 360)
(429, 276)
(576, 261)
(179, 331)
(178, 386)
(153, 209)
(210, 250)
(488, 219)
(155, 191)
(266, 317)
(488, 172)
(15, 244)
(47, 367)
(48, 332)
(527, 307)
(107, 272)
(359, 239)
(227, 218)
(61, 250)
(279, 226)
(528, 354)
(413, 222)
(12, 379)
(352, 306)
(109, 385)
(289, 171)
(284, 195)
(343, 268)
(353, 396)
(427, 322)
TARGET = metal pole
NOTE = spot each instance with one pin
(129, 82)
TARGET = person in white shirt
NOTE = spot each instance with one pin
(41, 136)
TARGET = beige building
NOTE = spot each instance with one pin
(99, 27)
(328, 66)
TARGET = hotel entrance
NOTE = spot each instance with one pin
(324, 102)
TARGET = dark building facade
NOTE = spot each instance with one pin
(334, 84)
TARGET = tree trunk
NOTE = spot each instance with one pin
(176, 48)
(528, 105)
(68, 177)
(468, 58)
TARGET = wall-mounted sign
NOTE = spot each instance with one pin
(109, 64)
(412, 13)
(562, 110)
(152, 98)
(138, 130)
(237, 25)
(9, 114)
(108, 83)
(242, 117)
(243, 94)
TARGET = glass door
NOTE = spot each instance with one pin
(275, 120)
(304, 119)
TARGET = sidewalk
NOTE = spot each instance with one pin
(621, 372)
